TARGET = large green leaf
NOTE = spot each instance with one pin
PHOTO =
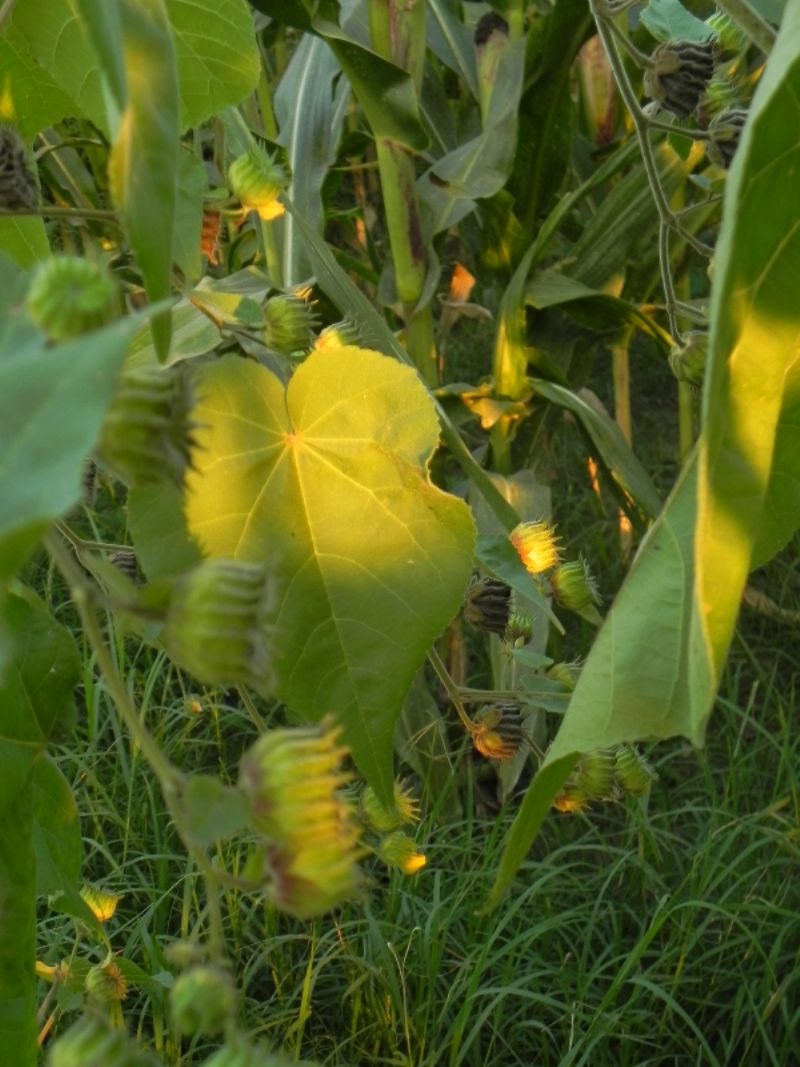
(24, 240)
(218, 60)
(669, 20)
(103, 26)
(327, 482)
(18, 932)
(144, 161)
(29, 96)
(56, 831)
(752, 395)
(52, 402)
(36, 690)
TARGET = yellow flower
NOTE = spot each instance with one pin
(537, 546)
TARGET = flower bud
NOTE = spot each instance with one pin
(498, 732)
(594, 774)
(18, 189)
(729, 37)
(383, 819)
(202, 1001)
(315, 878)
(725, 131)
(537, 546)
(338, 335)
(678, 74)
(400, 851)
(574, 587)
(519, 630)
(147, 434)
(258, 180)
(565, 673)
(105, 983)
(91, 1042)
(572, 798)
(488, 605)
(70, 296)
(289, 322)
(217, 625)
(101, 904)
(633, 773)
(688, 361)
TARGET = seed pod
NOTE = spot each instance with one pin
(537, 546)
(565, 673)
(594, 774)
(337, 335)
(572, 798)
(519, 630)
(725, 131)
(91, 1042)
(314, 879)
(678, 75)
(400, 851)
(498, 732)
(383, 819)
(729, 37)
(258, 180)
(633, 773)
(289, 322)
(202, 1001)
(106, 984)
(574, 587)
(69, 297)
(217, 624)
(147, 435)
(688, 361)
(488, 605)
(18, 190)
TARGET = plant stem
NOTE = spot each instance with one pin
(757, 29)
(169, 777)
(450, 687)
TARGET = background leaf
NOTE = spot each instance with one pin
(24, 240)
(326, 481)
(56, 831)
(29, 96)
(18, 932)
(669, 20)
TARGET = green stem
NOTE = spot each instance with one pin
(272, 256)
(169, 777)
(757, 29)
(450, 687)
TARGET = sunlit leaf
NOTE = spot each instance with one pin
(326, 482)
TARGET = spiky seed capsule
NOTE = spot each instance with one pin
(728, 36)
(18, 190)
(688, 361)
(91, 1042)
(69, 297)
(633, 773)
(383, 819)
(147, 436)
(574, 587)
(105, 983)
(498, 732)
(202, 1001)
(338, 335)
(537, 546)
(678, 75)
(565, 673)
(595, 774)
(400, 851)
(519, 630)
(258, 180)
(289, 322)
(488, 605)
(572, 798)
(217, 624)
(315, 878)
(725, 131)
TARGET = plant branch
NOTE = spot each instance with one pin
(450, 687)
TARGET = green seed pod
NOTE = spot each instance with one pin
(633, 773)
(678, 74)
(594, 774)
(289, 323)
(400, 851)
(519, 630)
(106, 984)
(147, 435)
(91, 1042)
(498, 732)
(69, 297)
(315, 878)
(217, 625)
(565, 673)
(258, 180)
(574, 587)
(202, 1001)
(488, 605)
(338, 335)
(383, 819)
(729, 37)
(18, 190)
(725, 131)
(688, 361)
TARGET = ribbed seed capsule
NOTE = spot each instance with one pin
(633, 773)
(258, 180)
(678, 75)
(337, 335)
(488, 605)
(404, 810)
(725, 131)
(498, 732)
(91, 1042)
(106, 984)
(18, 190)
(688, 361)
(574, 587)
(519, 630)
(289, 322)
(202, 1001)
(217, 625)
(69, 297)
(594, 774)
(147, 435)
